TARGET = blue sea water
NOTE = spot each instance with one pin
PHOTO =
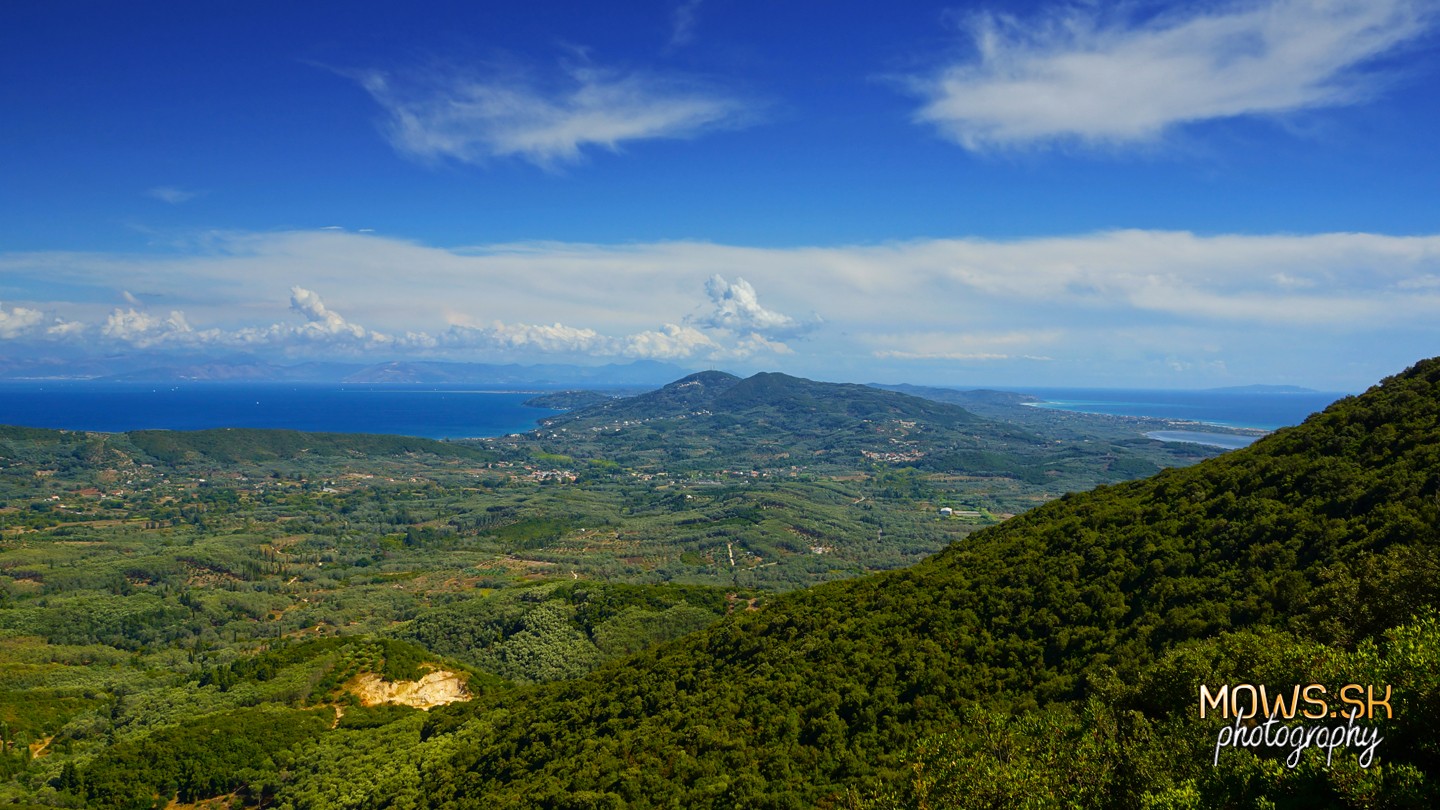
(459, 411)
(435, 412)
(1266, 410)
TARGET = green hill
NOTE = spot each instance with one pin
(1296, 556)
(793, 403)
(713, 421)
(253, 444)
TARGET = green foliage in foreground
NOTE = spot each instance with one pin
(1143, 745)
(210, 756)
(553, 632)
(1329, 532)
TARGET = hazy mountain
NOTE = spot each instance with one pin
(640, 372)
(244, 370)
(1263, 389)
(975, 397)
(250, 369)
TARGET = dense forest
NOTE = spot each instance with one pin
(231, 617)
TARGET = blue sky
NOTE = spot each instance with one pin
(1139, 194)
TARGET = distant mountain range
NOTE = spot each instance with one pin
(250, 369)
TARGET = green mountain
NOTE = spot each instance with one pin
(1315, 553)
(714, 421)
(791, 403)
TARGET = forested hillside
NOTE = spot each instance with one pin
(1313, 554)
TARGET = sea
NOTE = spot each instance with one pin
(468, 411)
(435, 412)
(1266, 410)
(1262, 410)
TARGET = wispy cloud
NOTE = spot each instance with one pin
(172, 194)
(1080, 76)
(962, 345)
(473, 117)
(682, 24)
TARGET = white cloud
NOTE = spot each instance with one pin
(171, 194)
(753, 345)
(672, 342)
(143, 330)
(477, 117)
(1076, 76)
(322, 320)
(322, 326)
(17, 321)
(737, 309)
(62, 328)
(1137, 295)
(961, 345)
(553, 339)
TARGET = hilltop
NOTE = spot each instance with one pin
(792, 403)
(775, 422)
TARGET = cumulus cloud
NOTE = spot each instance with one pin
(62, 328)
(321, 320)
(322, 326)
(1079, 76)
(737, 308)
(472, 118)
(672, 342)
(17, 321)
(553, 339)
(144, 330)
